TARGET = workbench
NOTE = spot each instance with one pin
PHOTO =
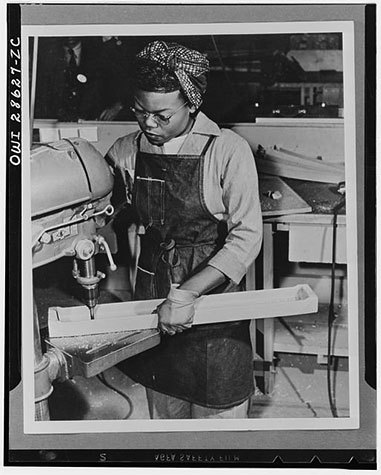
(321, 198)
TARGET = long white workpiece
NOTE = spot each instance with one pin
(137, 315)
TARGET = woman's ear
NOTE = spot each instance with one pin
(192, 108)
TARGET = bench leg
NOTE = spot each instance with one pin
(268, 324)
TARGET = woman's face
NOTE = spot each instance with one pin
(163, 104)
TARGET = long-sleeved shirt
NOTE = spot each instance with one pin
(230, 184)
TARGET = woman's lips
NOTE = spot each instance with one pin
(152, 136)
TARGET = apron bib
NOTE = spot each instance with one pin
(210, 365)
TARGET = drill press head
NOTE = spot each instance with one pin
(71, 190)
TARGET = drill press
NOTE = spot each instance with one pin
(71, 186)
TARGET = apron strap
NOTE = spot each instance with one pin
(207, 145)
(138, 141)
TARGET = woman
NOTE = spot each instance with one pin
(194, 187)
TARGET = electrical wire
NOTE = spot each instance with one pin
(102, 379)
(331, 312)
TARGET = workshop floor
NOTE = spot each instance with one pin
(300, 391)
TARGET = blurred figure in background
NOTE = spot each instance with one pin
(81, 78)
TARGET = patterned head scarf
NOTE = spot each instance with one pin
(188, 65)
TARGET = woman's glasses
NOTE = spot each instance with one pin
(160, 119)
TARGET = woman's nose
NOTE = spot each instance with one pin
(150, 121)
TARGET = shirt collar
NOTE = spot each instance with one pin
(204, 126)
(77, 49)
(108, 38)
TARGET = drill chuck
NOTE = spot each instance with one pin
(88, 277)
(91, 295)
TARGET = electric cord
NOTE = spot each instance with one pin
(102, 379)
(331, 312)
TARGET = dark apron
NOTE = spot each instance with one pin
(210, 365)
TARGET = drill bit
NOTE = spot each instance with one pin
(92, 313)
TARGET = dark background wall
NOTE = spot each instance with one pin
(250, 75)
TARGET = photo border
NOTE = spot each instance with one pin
(347, 449)
(346, 28)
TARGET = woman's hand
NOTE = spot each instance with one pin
(177, 311)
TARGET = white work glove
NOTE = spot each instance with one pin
(177, 311)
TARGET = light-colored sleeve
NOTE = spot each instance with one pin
(121, 156)
(123, 152)
(240, 195)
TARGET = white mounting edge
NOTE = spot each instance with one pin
(137, 315)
